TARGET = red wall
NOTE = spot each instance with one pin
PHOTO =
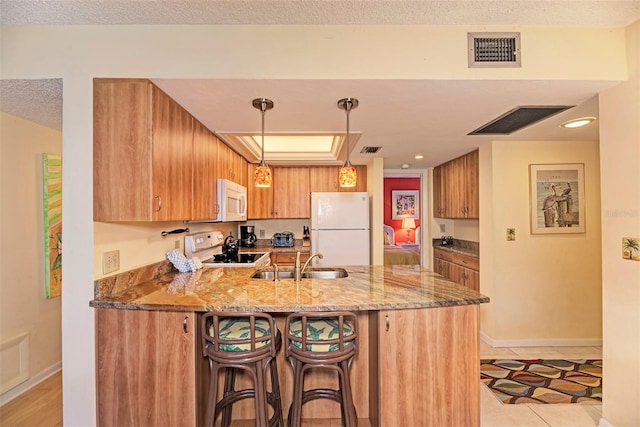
(391, 184)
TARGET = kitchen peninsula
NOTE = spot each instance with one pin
(418, 361)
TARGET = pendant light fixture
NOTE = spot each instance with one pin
(348, 175)
(262, 176)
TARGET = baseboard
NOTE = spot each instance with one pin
(30, 383)
(550, 342)
(604, 423)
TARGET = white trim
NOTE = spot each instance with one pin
(542, 342)
(604, 423)
(18, 347)
(29, 384)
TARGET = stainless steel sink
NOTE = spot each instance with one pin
(325, 273)
(310, 273)
(268, 274)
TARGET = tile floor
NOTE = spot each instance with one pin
(495, 414)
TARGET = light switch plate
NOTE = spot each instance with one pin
(511, 234)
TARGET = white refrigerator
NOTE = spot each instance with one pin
(340, 228)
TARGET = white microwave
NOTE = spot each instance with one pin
(232, 199)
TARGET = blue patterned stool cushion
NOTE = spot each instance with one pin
(321, 329)
(234, 328)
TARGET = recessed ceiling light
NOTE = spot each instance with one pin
(576, 123)
(419, 156)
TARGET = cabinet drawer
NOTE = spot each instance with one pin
(288, 258)
(443, 254)
(467, 261)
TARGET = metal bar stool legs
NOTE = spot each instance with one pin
(326, 340)
(242, 341)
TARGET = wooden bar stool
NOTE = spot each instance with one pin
(247, 341)
(329, 342)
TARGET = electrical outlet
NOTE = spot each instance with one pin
(176, 244)
(110, 261)
(511, 234)
(443, 228)
(262, 233)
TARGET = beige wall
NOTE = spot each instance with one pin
(544, 289)
(24, 307)
(78, 53)
(620, 168)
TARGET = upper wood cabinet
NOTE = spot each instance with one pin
(288, 197)
(231, 165)
(456, 188)
(142, 150)
(325, 178)
(205, 173)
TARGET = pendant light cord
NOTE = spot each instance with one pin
(347, 107)
(263, 110)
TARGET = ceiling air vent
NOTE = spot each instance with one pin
(494, 50)
(370, 150)
(518, 118)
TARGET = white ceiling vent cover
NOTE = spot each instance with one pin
(494, 50)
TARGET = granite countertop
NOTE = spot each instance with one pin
(464, 247)
(233, 289)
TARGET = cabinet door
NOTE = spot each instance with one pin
(205, 150)
(121, 150)
(172, 136)
(471, 185)
(428, 367)
(259, 200)
(146, 368)
(442, 267)
(324, 178)
(291, 196)
(438, 192)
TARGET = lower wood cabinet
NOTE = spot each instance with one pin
(288, 258)
(428, 365)
(457, 267)
(149, 369)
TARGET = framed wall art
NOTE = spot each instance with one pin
(557, 198)
(404, 204)
(52, 192)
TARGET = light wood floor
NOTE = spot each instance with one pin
(42, 407)
(39, 407)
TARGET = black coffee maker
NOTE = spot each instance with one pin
(248, 236)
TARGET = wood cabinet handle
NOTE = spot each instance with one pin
(158, 200)
(185, 325)
(386, 322)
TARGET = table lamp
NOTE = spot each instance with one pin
(408, 223)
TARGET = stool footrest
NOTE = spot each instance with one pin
(321, 393)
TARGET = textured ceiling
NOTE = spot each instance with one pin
(40, 101)
(584, 13)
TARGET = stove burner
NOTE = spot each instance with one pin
(236, 259)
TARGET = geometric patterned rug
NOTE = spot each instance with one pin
(535, 381)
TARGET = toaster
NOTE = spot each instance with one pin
(284, 239)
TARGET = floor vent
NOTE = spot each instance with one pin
(494, 50)
(370, 150)
(518, 118)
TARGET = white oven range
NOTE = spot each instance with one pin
(207, 246)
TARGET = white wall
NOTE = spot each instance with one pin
(24, 307)
(620, 168)
(544, 289)
(78, 53)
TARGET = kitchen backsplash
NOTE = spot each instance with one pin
(272, 226)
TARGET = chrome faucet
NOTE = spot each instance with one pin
(276, 272)
(304, 267)
(298, 272)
